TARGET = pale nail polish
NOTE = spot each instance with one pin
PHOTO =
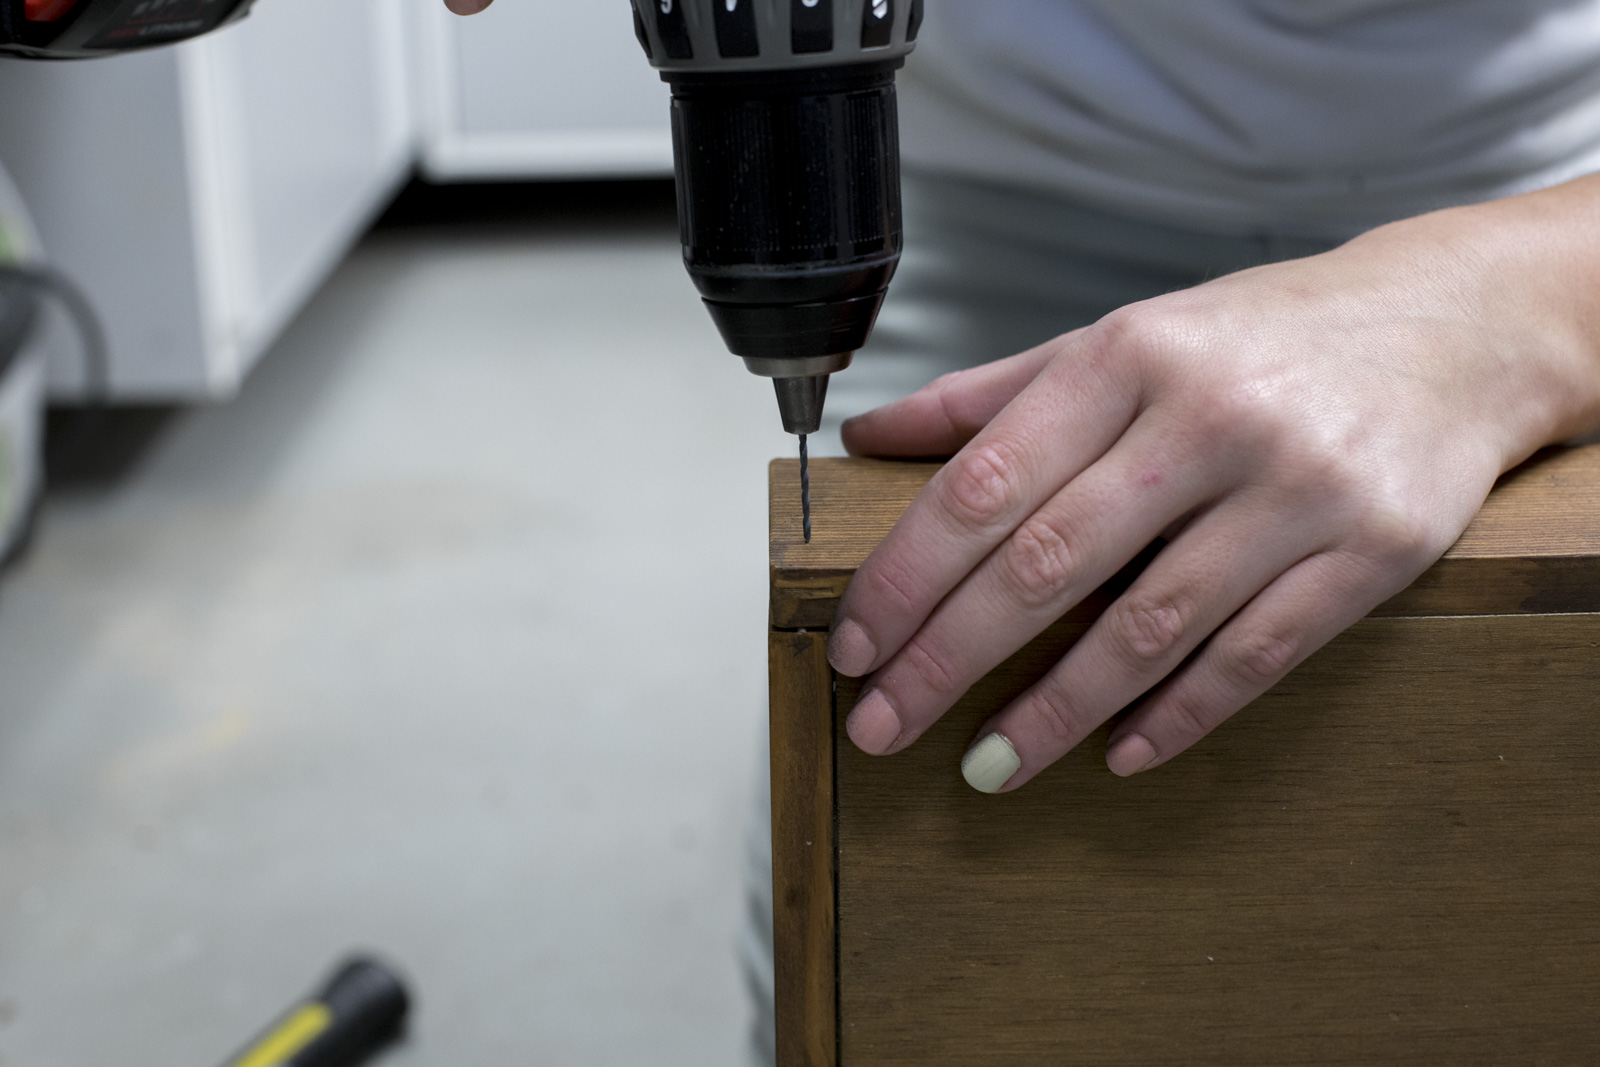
(990, 763)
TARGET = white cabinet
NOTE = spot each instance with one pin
(201, 192)
(539, 88)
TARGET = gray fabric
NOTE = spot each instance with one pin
(1324, 116)
(990, 271)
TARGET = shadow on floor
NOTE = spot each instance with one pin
(94, 448)
(587, 206)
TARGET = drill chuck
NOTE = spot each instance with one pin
(789, 212)
(787, 151)
(800, 402)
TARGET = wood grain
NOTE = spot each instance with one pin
(803, 849)
(1392, 858)
(1535, 546)
(853, 504)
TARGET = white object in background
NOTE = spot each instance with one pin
(22, 374)
(21, 446)
(200, 193)
(539, 89)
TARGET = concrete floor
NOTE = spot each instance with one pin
(446, 639)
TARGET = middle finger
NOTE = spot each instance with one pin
(1068, 548)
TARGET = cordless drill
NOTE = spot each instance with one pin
(785, 141)
(787, 150)
(78, 29)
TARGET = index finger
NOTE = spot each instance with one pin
(1069, 416)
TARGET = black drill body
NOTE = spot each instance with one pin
(789, 210)
(787, 150)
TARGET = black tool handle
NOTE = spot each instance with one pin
(360, 1009)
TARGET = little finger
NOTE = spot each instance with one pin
(1303, 610)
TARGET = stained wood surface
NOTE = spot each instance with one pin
(1535, 546)
(803, 849)
(1392, 858)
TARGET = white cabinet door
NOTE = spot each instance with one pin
(97, 149)
(201, 192)
(539, 88)
(300, 126)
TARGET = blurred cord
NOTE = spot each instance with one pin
(52, 285)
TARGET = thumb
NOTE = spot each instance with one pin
(944, 415)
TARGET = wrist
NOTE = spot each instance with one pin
(1523, 274)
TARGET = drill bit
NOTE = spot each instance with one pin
(805, 490)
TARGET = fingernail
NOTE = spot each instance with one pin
(1130, 755)
(850, 650)
(990, 763)
(872, 724)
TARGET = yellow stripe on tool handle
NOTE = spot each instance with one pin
(278, 1045)
(359, 1009)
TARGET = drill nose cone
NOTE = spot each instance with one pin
(800, 402)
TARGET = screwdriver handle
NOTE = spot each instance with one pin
(360, 1009)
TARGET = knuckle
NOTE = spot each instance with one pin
(1322, 465)
(981, 485)
(1146, 630)
(1259, 658)
(1038, 563)
(887, 583)
(1247, 413)
(928, 667)
(950, 386)
(946, 393)
(962, 409)
(1158, 337)
(1191, 720)
(1062, 723)
(1395, 536)
(1246, 416)
(1148, 327)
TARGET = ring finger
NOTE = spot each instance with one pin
(1194, 586)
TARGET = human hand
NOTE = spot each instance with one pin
(467, 7)
(1309, 436)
